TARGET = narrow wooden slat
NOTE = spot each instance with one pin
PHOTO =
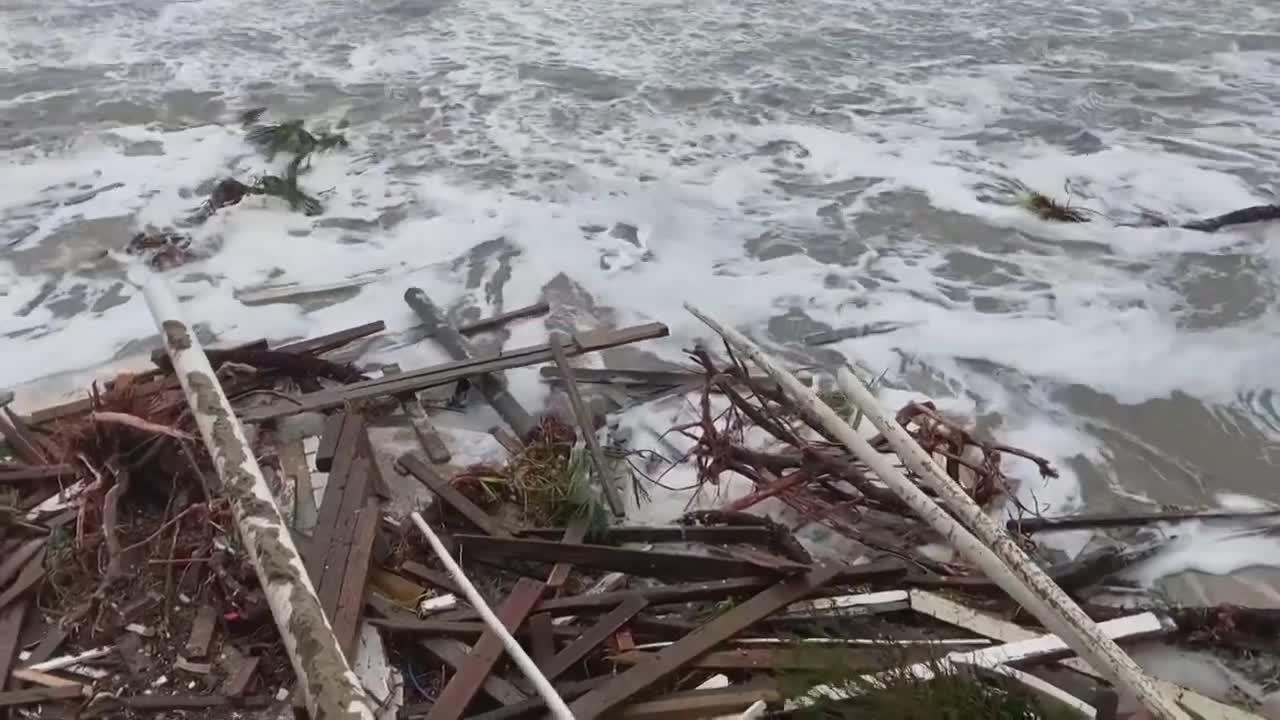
(13, 564)
(634, 681)
(11, 619)
(333, 341)
(20, 439)
(317, 552)
(726, 535)
(46, 472)
(462, 687)
(587, 425)
(449, 373)
(593, 636)
(346, 620)
(494, 321)
(202, 631)
(437, 484)
(31, 574)
(575, 533)
(542, 640)
(335, 568)
(646, 563)
(35, 696)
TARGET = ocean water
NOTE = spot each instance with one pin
(788, 166)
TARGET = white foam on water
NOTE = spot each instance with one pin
(866, 146)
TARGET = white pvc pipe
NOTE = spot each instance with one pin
(996, 554)
(526, 664)
(330, 688)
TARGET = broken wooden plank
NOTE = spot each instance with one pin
(542, 640)
(864, 659)
(448, 373)
(238, 682)
(329, 436)
(202, 631)
(593, 637)
(15, 562)
(45, 472)
(317, 552)
(20, 439)
(333, 341)
(723, 535)
(1113, 520)
(335, 569)
(633, 562)
(148, 703)
(454, 654)
(428, 436)
(586, 425)
(437, 484)
(462, 687)
(575, 533)
(44, 679)
(639, 678)
(35, 696)
(31, 574)
(431, 576)
(495, 321)
(11, 619)
(53, 638)
(346, 619)
(492, 384)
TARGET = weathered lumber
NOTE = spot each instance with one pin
(447, 373)
(646, 563)
(671, 659)
(327, 684)
(542, 640)
(462, 687)
(202, 631)
(593, 636)
(35, 696)
(575, 533)
(45, 472)
(31, 574)
(726, 535)
(12, 564)
(333, 341)
(502, 318)
(690, 592)
(437, 484)
(587, 426)
(238, 681)
(1110, 520)
(20, 439)
(152, 703)
(456, 628)
(770, 659)
(11, 619)
(492, 384)
(568, 691)
(428, 436)
(346, 617)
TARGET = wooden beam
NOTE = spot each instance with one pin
(645, 563)
(11, 619)
(495, 321)
(317, 552)
(333, 341)
(592, 637)
(346, 618)
(202, 631)
(36, 696)
(20, 439)
(542, 640)
(452, 372)
(863, 659)
(31, 574)
(431, 576)
(13, 564)
(462, 687)
(587, 425)
(45, 472)
(671, 659)
(568, 691)
(437, 484)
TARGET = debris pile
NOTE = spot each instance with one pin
(138, 572)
